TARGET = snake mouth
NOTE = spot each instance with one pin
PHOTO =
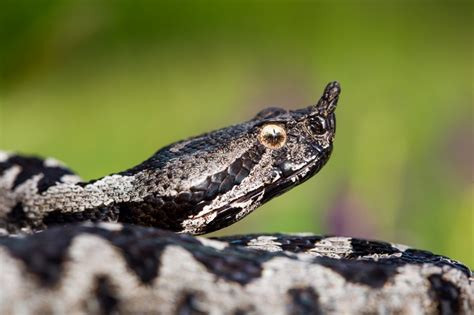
(224, 216)
(295, 178)
(240, 207)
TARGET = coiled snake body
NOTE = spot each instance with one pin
(124, 261)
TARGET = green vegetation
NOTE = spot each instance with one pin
(102, 84)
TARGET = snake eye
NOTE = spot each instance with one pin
(272, 136)
(317, 125)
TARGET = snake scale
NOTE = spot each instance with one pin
(124, 244)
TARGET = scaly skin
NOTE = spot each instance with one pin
(196, 186)
(113, 269)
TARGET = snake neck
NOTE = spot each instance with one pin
(26, 209)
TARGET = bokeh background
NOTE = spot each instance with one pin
(102, 85)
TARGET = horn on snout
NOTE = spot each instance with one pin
(328, 101)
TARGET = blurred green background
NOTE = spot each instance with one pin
(101, 85)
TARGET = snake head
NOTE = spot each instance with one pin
(211, 181)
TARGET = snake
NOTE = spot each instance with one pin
(129, 242)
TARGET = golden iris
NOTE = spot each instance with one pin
(273, 136)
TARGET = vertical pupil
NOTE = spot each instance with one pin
(273, 136)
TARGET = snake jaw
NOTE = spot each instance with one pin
(210, 218)
(215, 219)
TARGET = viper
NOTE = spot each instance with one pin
(196, 186)
(109, 245)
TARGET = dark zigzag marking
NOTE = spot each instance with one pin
(241, 266)
(45, 253)
(371, 273)
(417, 256)
(361, 248)
(31, 166)
(291, 243)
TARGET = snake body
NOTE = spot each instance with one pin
(109, 245)
(111, 268)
